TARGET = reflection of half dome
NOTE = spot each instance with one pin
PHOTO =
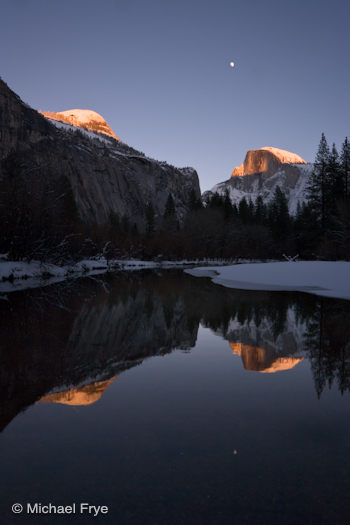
(85, 395)
(256, 358)
(282, 363)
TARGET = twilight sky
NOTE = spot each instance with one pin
(158, 72)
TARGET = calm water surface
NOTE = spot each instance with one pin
(175, 401)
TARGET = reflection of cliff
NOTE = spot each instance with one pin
(84, 395)
(84, 333)
(284, 340)
(263, 348)
(258, 359)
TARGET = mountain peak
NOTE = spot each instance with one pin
(266, 159)
(286, 157)
(82, 118)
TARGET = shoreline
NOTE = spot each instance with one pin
(324, 278)
(20, 275)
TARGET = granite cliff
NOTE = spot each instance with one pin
(266, 160)
(261, 172)
(106, 176)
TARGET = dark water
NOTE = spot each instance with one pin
(174, 401)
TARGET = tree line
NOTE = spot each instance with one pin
(320, 229)
(39, 220)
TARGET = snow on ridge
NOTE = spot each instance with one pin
(237, 187)
(82, 119)
(188, 171)
(114, 152)
(101, 137)
(83, 116)
(286, 157)
(91, 134)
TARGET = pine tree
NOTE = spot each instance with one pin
(260, 211)
(228, 210)
(279, 218)
(335, 189)
(134, 230)
(234, 210)
(169, 210)
(169, 218)
(216, 201)
(345, 166)
(114, 227)
(251, 211)
(149, 218)
(243, 210)
(306, 229)
(125, 225)
(194, 203)
(318, 189)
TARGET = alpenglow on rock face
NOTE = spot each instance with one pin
(262, 171)
(82, 118)
(106, 176)
(266, 160)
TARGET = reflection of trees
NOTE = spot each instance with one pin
(246, 307)
(95, 328)
(325, 324)
(328, 342)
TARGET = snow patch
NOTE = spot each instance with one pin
(20, 275)
(91, 134)
(325, 278)
(83, 116)
(286, 157)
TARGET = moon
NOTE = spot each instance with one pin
(232, 64)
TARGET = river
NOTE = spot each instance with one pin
(172, 400)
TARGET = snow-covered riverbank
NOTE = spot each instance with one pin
(326, 278)
(20, 275)
(330, 279)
